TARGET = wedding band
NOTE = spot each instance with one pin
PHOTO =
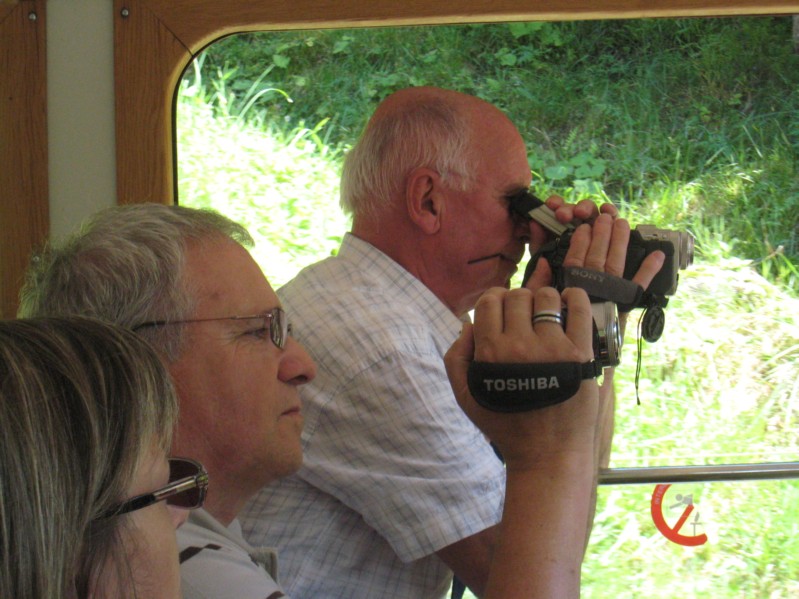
(548, 318)
(554, 313)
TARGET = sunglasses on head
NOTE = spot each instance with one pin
(186, 489)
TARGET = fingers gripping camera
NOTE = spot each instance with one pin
(677, 246)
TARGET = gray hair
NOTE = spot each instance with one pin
(125, 266)
(430, 132)
(81, 404)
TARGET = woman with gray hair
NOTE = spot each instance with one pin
(87, 495)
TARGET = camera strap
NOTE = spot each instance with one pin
(601, 286)
(507, 387)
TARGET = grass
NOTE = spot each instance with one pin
(719, 387)
(283, 186)
(715, 155)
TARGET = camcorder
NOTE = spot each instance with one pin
(609, 294)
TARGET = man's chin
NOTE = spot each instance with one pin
(293, 462)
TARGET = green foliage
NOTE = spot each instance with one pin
(610, 109)
(281, 184)
(719, 387)
(689, 124)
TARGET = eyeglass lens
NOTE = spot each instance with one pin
(279, 328)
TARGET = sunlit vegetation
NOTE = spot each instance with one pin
(687, 124)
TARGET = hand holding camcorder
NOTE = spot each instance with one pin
(606, 291)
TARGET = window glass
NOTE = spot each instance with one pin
(750, 548)
(686, 124)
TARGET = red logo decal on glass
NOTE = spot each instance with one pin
(672, 533)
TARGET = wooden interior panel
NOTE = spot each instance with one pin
(148, 60)
(6, 8)
(24, 214)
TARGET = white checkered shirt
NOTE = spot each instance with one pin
(394, 471)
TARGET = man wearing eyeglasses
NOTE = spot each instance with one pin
(184, 280)
(398, 489)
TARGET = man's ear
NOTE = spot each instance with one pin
(425, 200)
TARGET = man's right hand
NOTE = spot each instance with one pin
(503, 332)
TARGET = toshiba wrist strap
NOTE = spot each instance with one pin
(521, 387)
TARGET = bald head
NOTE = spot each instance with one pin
(414, 127)
(412, 98)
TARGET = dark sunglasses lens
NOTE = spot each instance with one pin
(188, 499)
(180, 468)
(192, 497)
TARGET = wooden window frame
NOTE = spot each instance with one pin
(154, 40)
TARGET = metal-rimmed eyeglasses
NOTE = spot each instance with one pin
(186, 489)
(275, 321)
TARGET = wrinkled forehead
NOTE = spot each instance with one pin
(496, 142)
(502, 168)
(225, 279)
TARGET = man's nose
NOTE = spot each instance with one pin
(296, 365)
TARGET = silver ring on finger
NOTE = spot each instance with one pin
(548, 316)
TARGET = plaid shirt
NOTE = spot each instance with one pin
(393, 470)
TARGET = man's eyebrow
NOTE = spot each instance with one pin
(245, 318)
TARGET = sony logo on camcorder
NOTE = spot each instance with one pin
(526, 384)
(588, 274)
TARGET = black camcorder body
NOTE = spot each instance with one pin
(677, 246)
